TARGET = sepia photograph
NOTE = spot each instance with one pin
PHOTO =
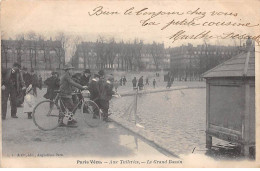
(136, 84)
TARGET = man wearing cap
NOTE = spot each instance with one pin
(66, 90)
(105, 92)
(12, 84)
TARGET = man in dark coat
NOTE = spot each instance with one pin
(40, 82)
(12, 85)
(27, 77)
(85, 78)
(105, 91)
(121, 81)
(147, 81)
(134, 81)
(124, 80)
(141, 83)
(76, 97)
(53, 83)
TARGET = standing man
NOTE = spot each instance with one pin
(66, 90)
(147, 81)
(85, 78)
(12, 84)
(121, 81)
(105, 88)
(26, 77)
(124, 81)
(154, 83)
(134, 81)
(40, 82)
(141, 83)
(53, 83)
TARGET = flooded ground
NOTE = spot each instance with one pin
(178, 118)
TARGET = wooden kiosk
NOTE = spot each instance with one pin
(230, 100)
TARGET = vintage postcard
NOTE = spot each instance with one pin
(138, 84)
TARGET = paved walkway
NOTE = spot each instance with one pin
(21, 136)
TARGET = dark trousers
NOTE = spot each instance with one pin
(9, 90)
(68, 103)
(104, 106)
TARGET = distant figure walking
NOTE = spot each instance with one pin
(121, 81)
(124, 81)
(134, 82)
(154, 83)
(147, 81)
(141, 83)
(169, 83)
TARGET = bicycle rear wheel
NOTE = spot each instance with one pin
(46, 115)
(91, 113)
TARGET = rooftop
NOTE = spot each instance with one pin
(241, 65)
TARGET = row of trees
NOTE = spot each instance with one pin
(29, 45)
(125, 56)
(107, 53)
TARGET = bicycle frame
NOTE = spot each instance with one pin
(58, 98)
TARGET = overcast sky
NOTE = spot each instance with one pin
(71, 17)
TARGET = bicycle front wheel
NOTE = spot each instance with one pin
(46, 115)
(91, 113)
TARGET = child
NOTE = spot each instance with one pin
(29, 101)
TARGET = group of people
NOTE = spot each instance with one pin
(100, 86)
(140, 83)
(16, 82)
(122, 81)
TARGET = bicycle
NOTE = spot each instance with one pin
(50, 114)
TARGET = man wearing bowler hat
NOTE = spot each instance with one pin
(85, 78)
(66, 90)
(12, 85)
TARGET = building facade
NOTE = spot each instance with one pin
(189, 62)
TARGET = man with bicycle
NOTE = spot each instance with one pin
(66, 90)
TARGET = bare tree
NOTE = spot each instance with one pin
(111, 52)
(157, 54)
(61, 50)
(19, 47)
(32, 36)
(4, 52)
(101, 59)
